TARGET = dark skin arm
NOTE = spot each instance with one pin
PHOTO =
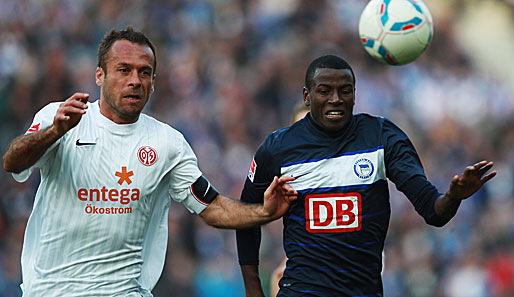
(253, 287)
(25, 150)
(462, 187)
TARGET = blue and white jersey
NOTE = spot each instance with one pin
(334, 233)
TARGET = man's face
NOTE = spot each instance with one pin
(128, 83)
(331, 98)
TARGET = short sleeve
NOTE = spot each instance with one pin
(43, 119)
(183, 175)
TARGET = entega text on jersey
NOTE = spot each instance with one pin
(334, 233)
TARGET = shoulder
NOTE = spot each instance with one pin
(365, 118)
(164, 136)
(368, 121)
(154, 125)
(50, 108)
(281, 139)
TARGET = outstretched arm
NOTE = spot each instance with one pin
(462, 187)
(224, 212)
(25, 150)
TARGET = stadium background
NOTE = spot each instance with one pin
(231, 71)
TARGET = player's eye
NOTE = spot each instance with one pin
(324, 92)
(347, 92)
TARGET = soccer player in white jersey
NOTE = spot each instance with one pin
(99, 222)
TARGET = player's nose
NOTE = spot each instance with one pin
(134, 80)
(335, 98)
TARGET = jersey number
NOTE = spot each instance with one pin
(333, 212)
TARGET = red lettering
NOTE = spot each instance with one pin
(104, 190)
(82, 192)
(342, 212)
(135, 194)
(333, 212)
(316, 213)
(123, 196)
(124, 199)
(113, 195)
(93, 191)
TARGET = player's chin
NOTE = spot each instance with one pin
(334, 124)
(131, 113)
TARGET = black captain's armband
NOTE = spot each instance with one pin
(203, 190)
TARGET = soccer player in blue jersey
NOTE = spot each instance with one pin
(334, 232)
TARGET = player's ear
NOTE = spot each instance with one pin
(99, 76)
(306, 97)
(153, 83)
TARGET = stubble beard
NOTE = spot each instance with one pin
(121, 113)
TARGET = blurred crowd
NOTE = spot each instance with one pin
(231, 71)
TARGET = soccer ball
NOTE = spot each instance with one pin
(395, 32)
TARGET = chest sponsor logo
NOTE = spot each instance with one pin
(363, 168)
(333, 212)
(251, 172)
(124, 176)
(111, 200)
(147, 155)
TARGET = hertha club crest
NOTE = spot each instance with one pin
(363, 168)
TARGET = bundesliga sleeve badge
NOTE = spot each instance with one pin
(251, 172)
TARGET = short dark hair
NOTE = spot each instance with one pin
(328, 61)
(127, 34)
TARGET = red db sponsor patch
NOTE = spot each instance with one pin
(333, 212)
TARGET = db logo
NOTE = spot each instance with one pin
(147, 155)
(334, 212)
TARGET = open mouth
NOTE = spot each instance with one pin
(134, 97)
(334, 114)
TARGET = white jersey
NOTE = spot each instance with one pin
(99, 222)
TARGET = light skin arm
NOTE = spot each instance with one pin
(25, 150)
(462, 187)
(227, 213)
(276, 275)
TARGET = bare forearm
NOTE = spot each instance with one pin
(227, 213)
(25, 150)
(446, 207)
(253, 287)
(462, 187)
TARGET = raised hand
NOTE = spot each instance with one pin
(70, 112)
(461, 187)
(278, 196)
